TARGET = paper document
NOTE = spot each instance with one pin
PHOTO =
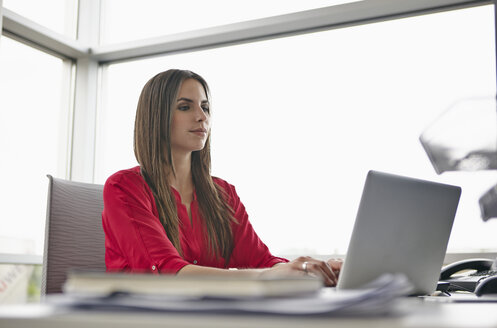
(377, 298)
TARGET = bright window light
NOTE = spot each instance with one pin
(32, 133)
(57, 15)
(299, 121)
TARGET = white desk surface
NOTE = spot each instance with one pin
(414, 312)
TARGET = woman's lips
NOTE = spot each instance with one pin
(199, 132)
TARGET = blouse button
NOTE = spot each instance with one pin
(153, 267)
(194, 261)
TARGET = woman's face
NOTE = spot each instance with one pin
(190, 118)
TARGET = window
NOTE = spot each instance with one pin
(58, 15)
(298, 121)
(152, 18)
(34, 138)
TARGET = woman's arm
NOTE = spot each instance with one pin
(327, 271)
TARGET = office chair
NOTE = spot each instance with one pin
(74, 237)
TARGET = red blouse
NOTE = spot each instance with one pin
(135, 240)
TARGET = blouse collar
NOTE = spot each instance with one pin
(178, 196)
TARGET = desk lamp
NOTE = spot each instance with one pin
(464, 138)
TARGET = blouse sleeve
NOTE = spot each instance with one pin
(249, 251)
(135, 240)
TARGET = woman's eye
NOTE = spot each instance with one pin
(205, 109)
(183, 107)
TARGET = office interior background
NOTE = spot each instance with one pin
(307, 96)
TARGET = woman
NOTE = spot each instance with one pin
(169, 215)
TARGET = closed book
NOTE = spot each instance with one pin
(102, 283)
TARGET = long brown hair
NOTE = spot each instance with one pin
(152, 146)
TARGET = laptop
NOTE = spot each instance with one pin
(402, 226)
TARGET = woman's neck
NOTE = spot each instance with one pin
(182, 181)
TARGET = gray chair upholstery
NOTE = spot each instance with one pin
(74, 238)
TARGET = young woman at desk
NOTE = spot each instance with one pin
(169, 215)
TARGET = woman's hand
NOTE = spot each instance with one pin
(328, 271)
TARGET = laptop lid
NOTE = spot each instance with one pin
(402, 226)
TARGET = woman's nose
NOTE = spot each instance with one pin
(201, 115)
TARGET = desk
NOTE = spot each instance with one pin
(416, 313)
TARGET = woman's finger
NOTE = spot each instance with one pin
(322, 270)
(336, 265)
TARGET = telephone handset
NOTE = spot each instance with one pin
(483, 269)
(469, 264)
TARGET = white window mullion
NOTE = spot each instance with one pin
(83, 141)
(66, 117)
(86, 90)
(27, 259)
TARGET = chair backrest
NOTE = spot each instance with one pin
(74, 237)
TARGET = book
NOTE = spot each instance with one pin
(102, 283)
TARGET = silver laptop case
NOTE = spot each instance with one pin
(402, 226)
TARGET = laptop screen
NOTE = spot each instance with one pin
(402, 226)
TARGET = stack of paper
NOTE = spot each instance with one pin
(376, 298)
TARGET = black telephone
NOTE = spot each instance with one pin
(482, 279)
